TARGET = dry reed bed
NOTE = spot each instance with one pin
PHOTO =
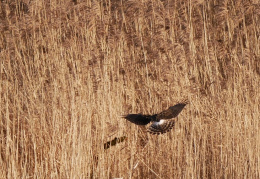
(70, 69)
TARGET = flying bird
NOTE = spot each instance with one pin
(160, 123)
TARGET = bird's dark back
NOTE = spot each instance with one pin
(171, 112)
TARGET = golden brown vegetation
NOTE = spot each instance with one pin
(69, 69)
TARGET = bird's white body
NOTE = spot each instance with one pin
(160, 122)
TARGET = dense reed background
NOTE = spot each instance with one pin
(69, 69)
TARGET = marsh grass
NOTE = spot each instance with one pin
(69, 69)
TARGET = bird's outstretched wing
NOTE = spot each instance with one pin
(161, 127)
(138, 119)
(171, 112)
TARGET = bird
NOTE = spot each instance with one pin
(161, 122)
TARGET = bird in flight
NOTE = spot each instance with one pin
(161, 122)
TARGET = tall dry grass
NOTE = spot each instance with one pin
(69, 69)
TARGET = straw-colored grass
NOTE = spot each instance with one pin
(69, 69)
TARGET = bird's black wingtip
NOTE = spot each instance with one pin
(124, 116)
